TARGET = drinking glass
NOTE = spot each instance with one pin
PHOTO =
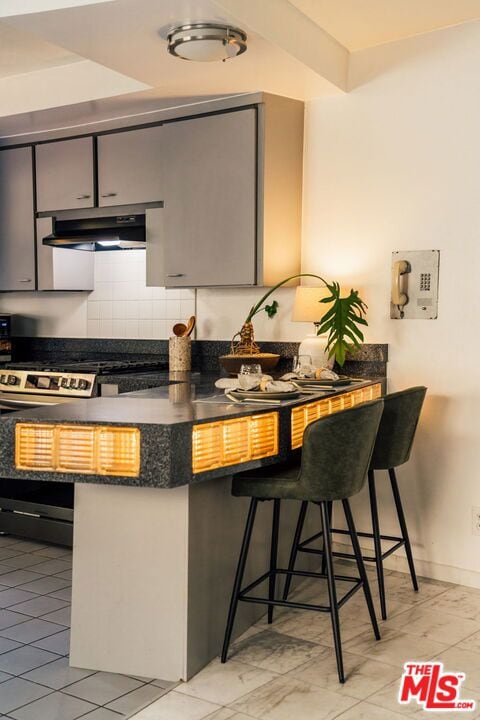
(250, 376)
(302, 365)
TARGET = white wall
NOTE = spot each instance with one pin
(121, 306)
(395, 165)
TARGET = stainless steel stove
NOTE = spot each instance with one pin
(44, 510)
(32, 384)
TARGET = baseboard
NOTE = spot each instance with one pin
(424, 568)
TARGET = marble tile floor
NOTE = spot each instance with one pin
(287, 671)
(36, 682)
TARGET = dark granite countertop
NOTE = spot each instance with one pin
(165, 416)
(178, 403)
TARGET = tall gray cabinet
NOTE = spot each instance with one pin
(210, 200)
(232, 197)
(17, 234)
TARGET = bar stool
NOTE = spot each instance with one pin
(393, 445)
(334, 463)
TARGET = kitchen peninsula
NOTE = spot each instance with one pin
(156, 531)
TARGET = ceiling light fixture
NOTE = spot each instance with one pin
(206, 42)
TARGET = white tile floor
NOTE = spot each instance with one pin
(287, 671)
(36, 681)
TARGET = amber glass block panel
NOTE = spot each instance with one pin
(303, 415)
(35, 442)
(79, 449)
(76, 450)
(119, 451)
(230, 442)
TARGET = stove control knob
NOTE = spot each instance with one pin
(12, 380)
(64, 383)
(3, 379)
(83, 384)
(73, 383)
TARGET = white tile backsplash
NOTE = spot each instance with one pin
(122, 306)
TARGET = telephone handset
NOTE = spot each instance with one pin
(400, 270)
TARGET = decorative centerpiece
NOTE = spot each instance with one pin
(340, 323)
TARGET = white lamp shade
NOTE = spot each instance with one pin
(307, 306)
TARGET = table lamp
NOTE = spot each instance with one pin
(308, 308)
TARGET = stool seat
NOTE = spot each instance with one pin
(273, 481)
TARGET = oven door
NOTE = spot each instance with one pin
(13, 402)
(30, 508)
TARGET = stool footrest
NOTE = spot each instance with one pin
(399, 542)
(242, 595)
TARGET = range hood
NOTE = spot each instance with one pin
(112, 232)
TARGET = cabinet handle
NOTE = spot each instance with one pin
(109, 195)
(177, 275)
(25, 280)
(82, 197)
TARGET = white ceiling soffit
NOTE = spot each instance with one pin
(103, 113)
(358, 24)
(279, 22)
(62, 85)
(129, 36)
(24, 7)
(23, 52)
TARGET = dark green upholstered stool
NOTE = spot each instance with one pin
(393, 445)
(335, 459)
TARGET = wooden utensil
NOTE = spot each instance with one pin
(190, 325)
(180, 329)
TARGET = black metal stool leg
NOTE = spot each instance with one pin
(324, 559)
(273, 557)
(295, 544)
(403, 527)
(239, 577)
(332, 593)
(361, 566)
(377, 543)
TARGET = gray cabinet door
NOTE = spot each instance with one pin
(17, 234)
(210, 200)
(130, 167)
(64, 172)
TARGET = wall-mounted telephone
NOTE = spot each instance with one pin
(414, 292)
(400, 270)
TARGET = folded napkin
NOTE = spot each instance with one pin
(265, 383)
(309, 372)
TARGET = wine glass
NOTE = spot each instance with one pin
(249, 376)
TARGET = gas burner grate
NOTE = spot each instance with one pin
(97, 367)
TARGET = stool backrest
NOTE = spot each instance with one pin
(336, 452)
(401, 412)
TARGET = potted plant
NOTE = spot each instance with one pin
(341, 324)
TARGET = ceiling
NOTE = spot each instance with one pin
(358, 24)
(64, 61)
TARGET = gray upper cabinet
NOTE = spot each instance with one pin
(17, 234)
(233, 197)
(64, 172)
(210, 201)
(130, 167)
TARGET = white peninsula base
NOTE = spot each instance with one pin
(153, 571)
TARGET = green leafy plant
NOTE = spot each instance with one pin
(341, 320)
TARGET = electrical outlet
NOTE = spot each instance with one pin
(475, 520)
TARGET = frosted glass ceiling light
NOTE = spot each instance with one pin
(206, 42)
